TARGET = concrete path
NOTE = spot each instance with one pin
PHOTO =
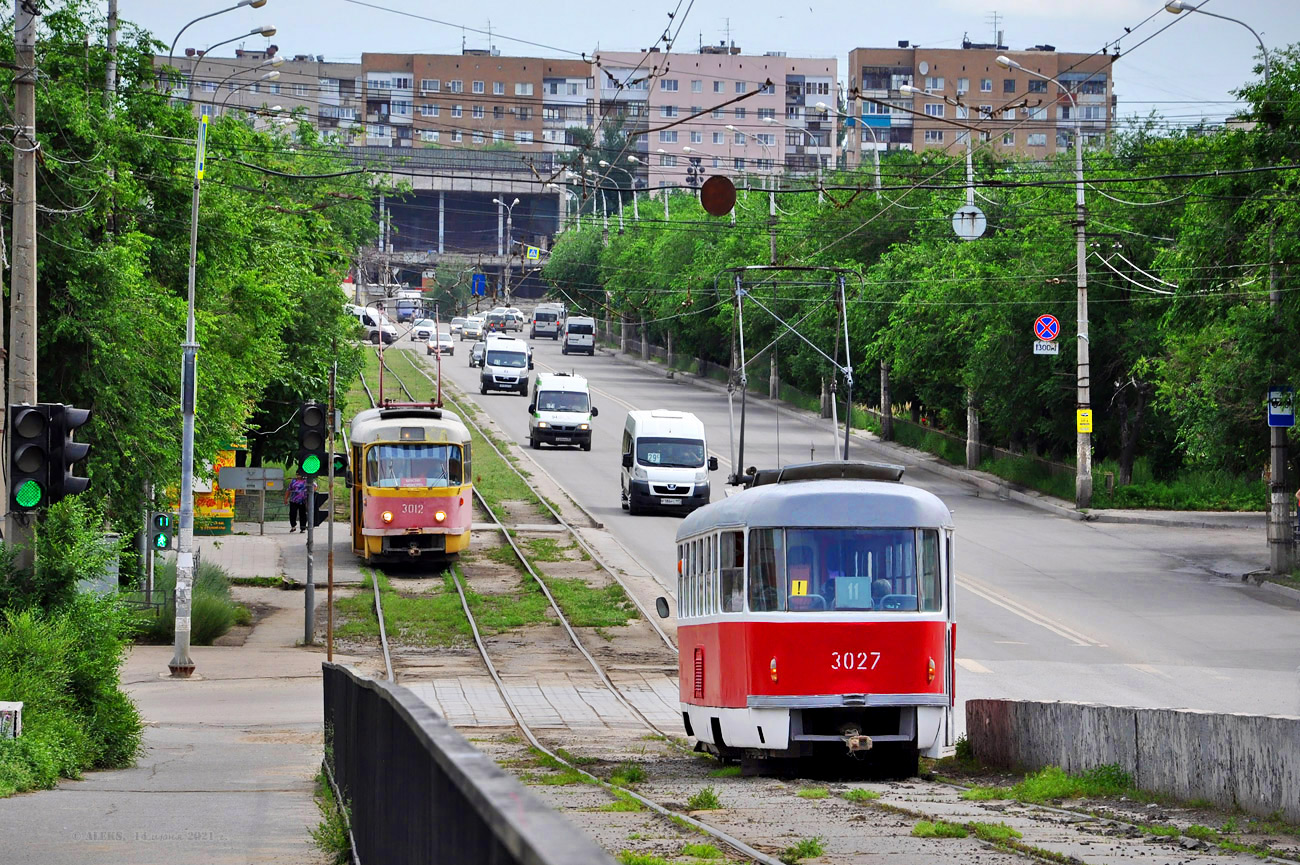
(226, 775)
(279, 553)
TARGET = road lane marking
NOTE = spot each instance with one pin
(1147, 668)
(1011, 642)
(972, 666)
(996, 598)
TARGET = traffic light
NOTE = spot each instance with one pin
(694, 172)
(340, 464)
(160, 533)
(64, 452)
(322, 511)
(29, 456)
(312, 436)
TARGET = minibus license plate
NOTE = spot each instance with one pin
(670, 501)
(564, 438)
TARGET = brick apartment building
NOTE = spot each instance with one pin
(1015, 112)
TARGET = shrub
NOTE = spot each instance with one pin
(212, 612)
(704, 800)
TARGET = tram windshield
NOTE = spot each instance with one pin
(413, 465)
(802, 570)
(672, 453)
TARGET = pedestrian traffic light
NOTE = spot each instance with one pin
(160, 534)
(312, 436)
(29, 456)
(64, 452)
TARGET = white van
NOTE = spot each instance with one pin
(560, 411)
(546, 321)
(506, 363)
(375, 323)
(579, 336)
(666, 462)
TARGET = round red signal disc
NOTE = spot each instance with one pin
(718, 195)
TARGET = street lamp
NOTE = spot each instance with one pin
(1083, 454)
(269, 76)
(812, 142)
(1179, 6)
(767, 148)
(267, 30)
(252, 4)
(510, 213)
(631, 178)
(875, 142)
(569, 192)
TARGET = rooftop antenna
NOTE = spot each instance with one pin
(462, 40)
(995, 19)
(489, 29)
(727, 31)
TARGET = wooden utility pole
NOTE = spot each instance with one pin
(22, 288)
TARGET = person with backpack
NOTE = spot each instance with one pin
(296, 494)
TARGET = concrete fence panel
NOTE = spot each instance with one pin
(1246, 761)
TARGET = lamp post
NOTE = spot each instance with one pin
(875, 142)
(510, 213)
(269, 76)
(1083, 454)
(631, 179)
(812, 142)
(273, 62)
(569, 192)
(267, 30)
(767, 148)
(252, 4)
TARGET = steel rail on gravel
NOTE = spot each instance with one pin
(374, 579)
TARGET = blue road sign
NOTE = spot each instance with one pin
(1047, 328)
(478, 287)
(1281, 406)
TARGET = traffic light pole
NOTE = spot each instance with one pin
(309, 597)
(181, 666)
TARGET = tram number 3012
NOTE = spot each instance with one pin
(412, 509)
(854, 660)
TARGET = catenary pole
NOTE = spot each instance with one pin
(110, 71)
(329, 531)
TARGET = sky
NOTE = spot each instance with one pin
(1183, 73)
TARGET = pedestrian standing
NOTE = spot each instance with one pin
(296, 496)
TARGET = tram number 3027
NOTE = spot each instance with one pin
(854, 660)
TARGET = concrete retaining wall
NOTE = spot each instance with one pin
(1246, 761)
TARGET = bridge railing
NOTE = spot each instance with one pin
(417, 792)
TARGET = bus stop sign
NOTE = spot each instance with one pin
(1281, 406)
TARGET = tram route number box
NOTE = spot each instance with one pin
(246, 479)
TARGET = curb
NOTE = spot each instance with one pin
(1272, 587)
(982, 482)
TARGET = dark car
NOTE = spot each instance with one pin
(476, 352)
(496, 322)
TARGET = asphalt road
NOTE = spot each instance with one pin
(1048, 607)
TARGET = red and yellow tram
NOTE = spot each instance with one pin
(815, 617)
(411, 490)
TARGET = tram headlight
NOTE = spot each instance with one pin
(929, 672)
(386, 516)
(772, 667)
(440, 516)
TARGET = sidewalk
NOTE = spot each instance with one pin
(246, 554)
(985, 482)
(230, 755)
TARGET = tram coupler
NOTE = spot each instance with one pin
(413, 551)
(855, 741)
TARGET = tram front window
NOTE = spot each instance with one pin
(413, 465)
(802, 570)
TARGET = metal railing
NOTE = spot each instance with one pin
(417, 792)
(438, 159)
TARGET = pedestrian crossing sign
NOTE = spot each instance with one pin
(532, 253)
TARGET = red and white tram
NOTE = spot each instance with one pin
(815, 616)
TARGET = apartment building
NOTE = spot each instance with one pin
(1010, 109)
(729, 113)
(568, 100)
(326, 93)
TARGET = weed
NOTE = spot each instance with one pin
(243, 615)
(622, 802)
(631, 857)
(701, 851)
(331, 835)
(964, 752)
(433, 618)
(725, 772)
(547, 550)
(264, 582)
(585, 607)
(574, 759)
(861, 795)
(806, 848)
(634, 836)
(938, 829)
(704, 800)
(1053, 782)
(1231, 826)
(813, 793)
(997, 833)
(628, 774)
(1204, 833)
(510, 739)
(1161, 830)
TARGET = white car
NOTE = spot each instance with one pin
(423, 329)
(443, 344)
(472, 328)
(457, 324)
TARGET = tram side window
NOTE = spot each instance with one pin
(681, 580)
(767, 583)
(467, 469)
(710, 576)
(929, 583)
(731, 555)
(697, 584)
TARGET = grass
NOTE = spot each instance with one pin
(585, 607)
(938, 829)
(805, 848)
(331, 835)
(1161, 830)
(431, 618)
(212, 611)
(263, 582)
(702, 851)
(628, 775)
(622, 802)
(631, 857)
(995, 833)
(861, 795)
(814, 793)
(1053, 782)
(725, 772)
(704, 800)
(547, 550)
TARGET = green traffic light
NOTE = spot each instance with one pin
(160, 540)
(311, 464)
(29, 494)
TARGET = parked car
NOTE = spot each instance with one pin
(442, 343)
(476, 352)
(423, 329)
(473, 328)
(457, 324)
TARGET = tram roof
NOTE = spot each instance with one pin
(386, 424)
(822, 503)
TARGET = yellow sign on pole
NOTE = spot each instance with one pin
(1083, 418)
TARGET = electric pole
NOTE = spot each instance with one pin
(22, 289)
(110, 75)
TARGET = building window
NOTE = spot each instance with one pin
(934, 83)
(717, 113)
(740, 138)
(1039, 113)
(934, 136)
(766, 138)
(254, 87)
(274, 88)
(1094, 86)
(1008, 85)
(740, 163)
(456, 111)
(986, 137)
(793, 112)
(376, 130)
(697, 138)
(934, 109)
(525, 114)
(574, 88)
(669, 85)
(477, 87)
(668, 136)
(717, 86)
(764, 113)
(498, 135)
(1008, 114)
(498, 112)
(300, 90)
(456, 86)
(476, 112)
(740, 114)
(667, 110)
(740, 86)
(401, 107)
(1093, 112)
(963, 113)
(1063, 112)
(1062, 139)
(1008, 139)
(430, 85)
(401, 82)
(963, 84)
(498, 88)
(1037, 86)
(208, 109)
(523, 88)
(719, 138)
(477, 137)
(986, 111)
(667, 161)
(1036, 139)
(428, 135)
(208, 86)
(986, 85)
(456, 136)
(697, 86)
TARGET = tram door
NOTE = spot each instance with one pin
(358, 491)
(950, 589)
